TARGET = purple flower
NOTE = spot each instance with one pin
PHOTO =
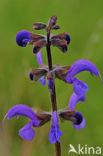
(80, 121)
(42, 81)
(27, 131)
(22, 38)
(78, 118)
(40, 61)
(39, 41)
(74, 100)
(83, 65)
(55, 133)
(80, 88)
(39, 58)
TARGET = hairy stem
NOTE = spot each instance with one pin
(52, 92)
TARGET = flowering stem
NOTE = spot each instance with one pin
(52, 92)
(49, 51)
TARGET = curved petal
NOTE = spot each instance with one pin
(39, 58)
(21, 110)
(22, 38)
(24, 111)
(55, 133)
(82, 65)
(74, 100)
(27, 132)
(40, 61)
(42, 80)
(80, 88)
(81, 123)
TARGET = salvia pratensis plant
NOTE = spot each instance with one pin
(49, 73)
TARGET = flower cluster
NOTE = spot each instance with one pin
(43, 73)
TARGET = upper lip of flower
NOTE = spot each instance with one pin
(21, 110)
(83, 65)
(80, 87)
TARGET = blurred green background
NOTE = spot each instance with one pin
(83, 20)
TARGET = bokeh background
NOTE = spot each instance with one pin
(83, 20)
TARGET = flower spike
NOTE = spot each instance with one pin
(50, 72)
